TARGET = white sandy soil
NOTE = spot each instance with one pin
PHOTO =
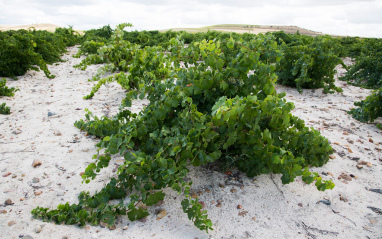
(268, 208)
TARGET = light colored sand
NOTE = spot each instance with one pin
(269, 209)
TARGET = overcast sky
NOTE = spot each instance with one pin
(342, 17)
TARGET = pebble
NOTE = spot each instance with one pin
(350, 151)
(60, 193)
(326, 202)
(8, 202)
(194, 195)
(2, 211)
(17, 132)
(6, 174)
(11, 223)
(345, 176)
(51, 114)
(37, 193)
(332, 156)
(35, 180)
(125, 227)
(233, 190)
(38, 229)
(161, 214)
(207, 190)
(371, 140)
(350, 141)
(359, 167)
(112, 227)
(221, 185)
(239, 206)
(36, 163)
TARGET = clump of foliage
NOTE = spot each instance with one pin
(5, 90)
(25, 50)
(5, 110)
(205, 106)
(369, 109)
(309, 66)
(367, 70)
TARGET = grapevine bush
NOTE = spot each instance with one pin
(212, 101)
(367, 70)
(369, 109)
(25, 50)
(309, 66)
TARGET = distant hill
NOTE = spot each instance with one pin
(242, 28)
(41, 26)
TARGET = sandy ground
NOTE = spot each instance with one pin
(40, 127)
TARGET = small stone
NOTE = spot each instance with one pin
(345, 133)
(37, 229)
(60, 194)
(239, 206)
(11, 223)
(64, 237)
(221, 185)
(2, 211)
(350, 151)
(35, 180)
(326, 202)
(233, 190)
(352, 124)
(22, 199)
(371, 141)
(300, 204)
(160, 203)
(359, 167)
(37, 193)
(373, 220)
(345, 176)
(344, 199)
(207, 190)
(350, 141)
(36, 163)
(218, 204)
(8, 202)
(254, 218)
(332, 156)
(58, 133)
(161, 214)
(17, 132)
(141, 205)
(329, 173)
(125, 227)
(6, 174)
(368, 164)
(112, 227)
(336, 143)
(194, 195)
